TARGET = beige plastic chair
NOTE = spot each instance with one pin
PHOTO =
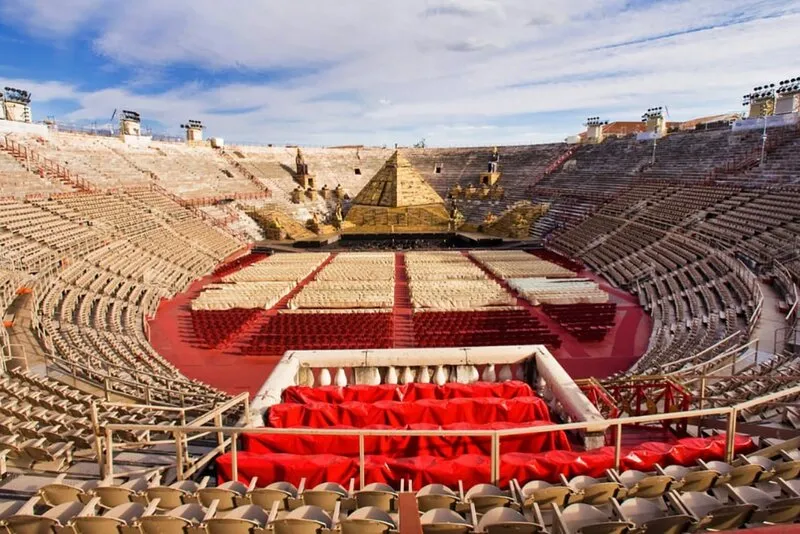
(596, 491)
(583, 518)
(368, 520)
(284, 493)
(708, 513)
(644, 485)
(11, 508)
(226, 494)
(507, 521)
(787, 469)
(436, 496)
(119, 519)
(52, 457)
(545, 494)
(185, 519)
(324, 495)
(53, 520)
(649, 517)
(247, 519)
(444, 521)
(113, 495)
(376, 494)
(176, 494)
(686, 479)
(304, 520)
(741, 475)
(59, 492)
(487, 496)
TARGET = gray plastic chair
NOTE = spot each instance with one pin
(686, 479)
(507, 521)
(596, 491)
(769, 509)
(444, 521)
(651, 518)
(175, 521)
(545, 494)
(436, 496)
(245, 519)
(368, 520)
(583, 518)
(644, 485)
(304, 520)
(710, 514)
(487, 496)
(376, 494)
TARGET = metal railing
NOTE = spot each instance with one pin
(181, 433)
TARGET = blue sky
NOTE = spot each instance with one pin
(457, 72)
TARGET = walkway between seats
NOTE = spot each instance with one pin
(771, 320)
(403, 327)
(245, 336)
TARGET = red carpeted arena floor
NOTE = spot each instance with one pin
(172, 335)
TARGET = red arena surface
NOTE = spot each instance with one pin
(242, 361)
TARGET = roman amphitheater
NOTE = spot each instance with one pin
(596, 336)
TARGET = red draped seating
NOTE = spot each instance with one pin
(482, 410)
(407, 446)
(472, 469)
(406, 392)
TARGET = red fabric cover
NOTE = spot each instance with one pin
(408, 392)
(470, 468)
(398, 414)
(407, 446)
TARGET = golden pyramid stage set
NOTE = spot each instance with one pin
(398, 200)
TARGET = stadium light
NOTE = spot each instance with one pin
(18, 96)
(657, 114)
(595, 121)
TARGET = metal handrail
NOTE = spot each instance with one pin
(179, 432)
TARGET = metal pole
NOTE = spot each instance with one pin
(234, 457)
(730, 437)
(109, 466)
(617, 446)
(361, 460)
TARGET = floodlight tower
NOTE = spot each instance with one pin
(194, 131)
(654, 122)
(16, 105)
(762, 104)
(594, 129)
(130, 123)
(788, 97)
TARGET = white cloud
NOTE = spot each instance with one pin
(497, 69)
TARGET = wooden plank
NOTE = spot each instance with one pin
(408, 514)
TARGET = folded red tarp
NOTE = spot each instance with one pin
(408, 446)
(398, 414)
(408, 392)
(472, 469)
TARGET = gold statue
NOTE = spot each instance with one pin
(300, 162)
